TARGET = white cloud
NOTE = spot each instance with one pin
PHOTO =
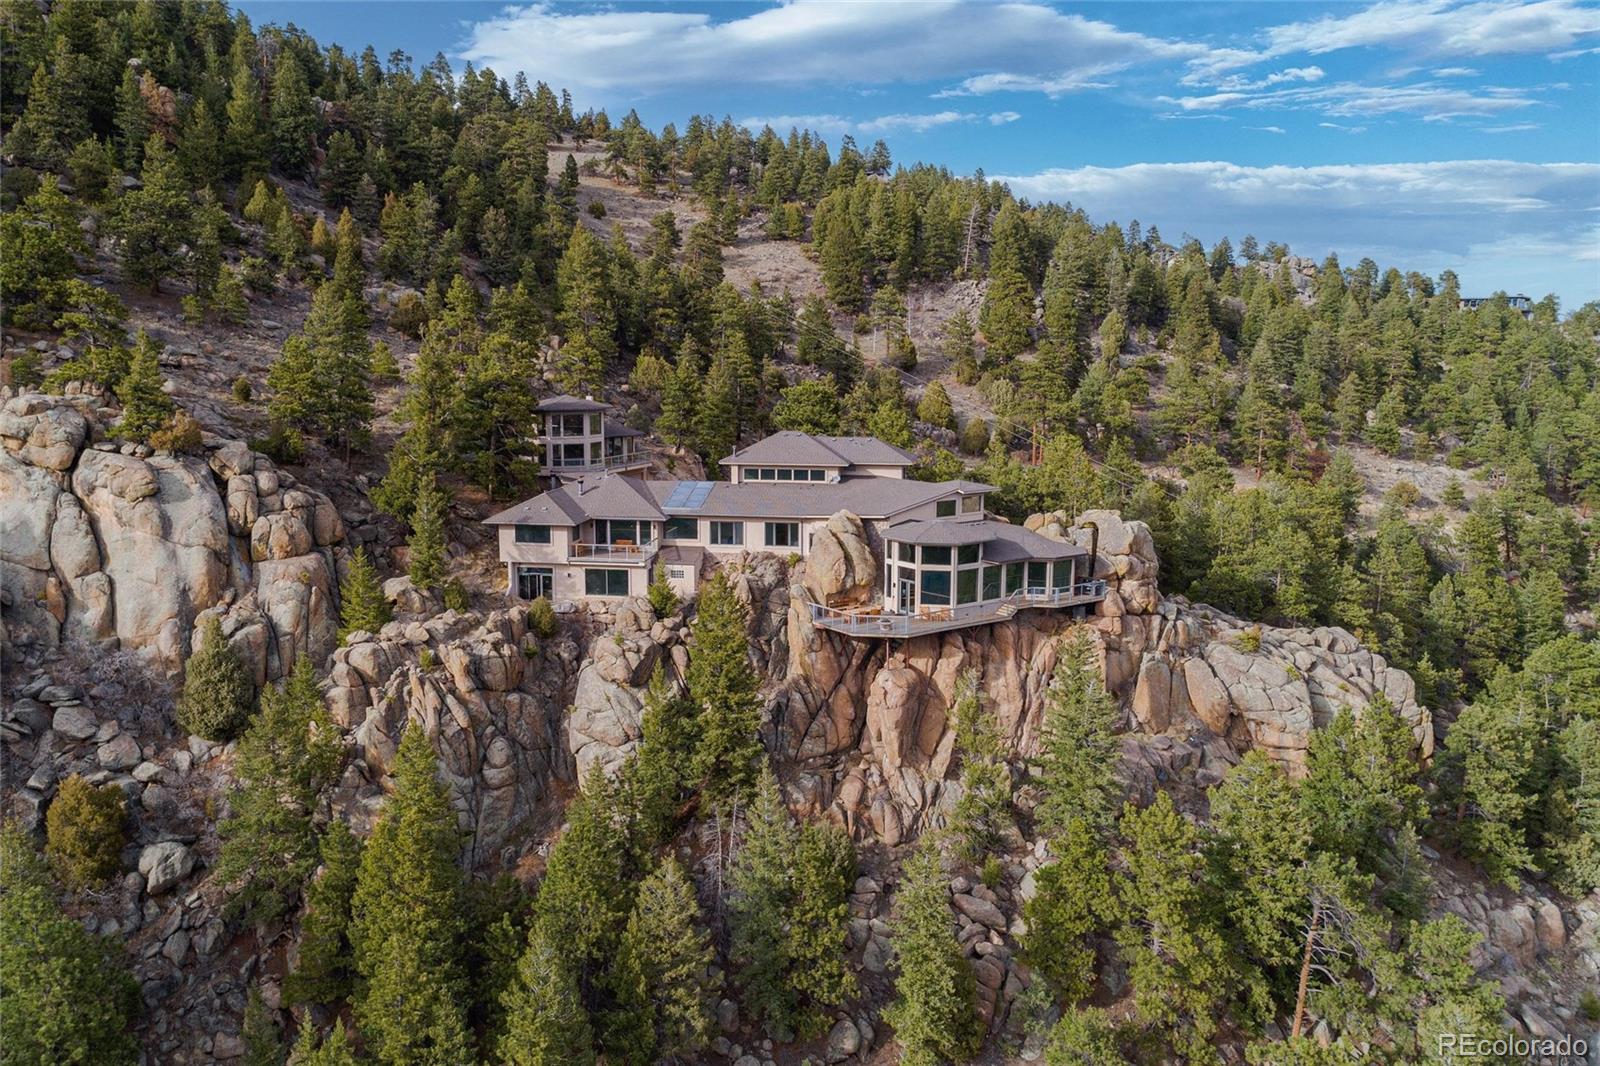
(877, 125)
(1518, 127)
(1341, 129)
(1423, 216)
(1437, 27)
(1455, 72)
(1268, 129)
(983, 47)
(1352, 99)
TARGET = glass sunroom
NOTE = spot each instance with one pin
(939, 568)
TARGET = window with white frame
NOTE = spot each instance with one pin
(727, 534)
(783, 534)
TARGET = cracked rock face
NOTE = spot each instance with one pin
(125, 548)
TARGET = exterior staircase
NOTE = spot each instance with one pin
(1006, 610)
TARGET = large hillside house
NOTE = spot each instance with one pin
(579, 438)
(946, 563)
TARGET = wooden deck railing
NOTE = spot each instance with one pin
(876, 620)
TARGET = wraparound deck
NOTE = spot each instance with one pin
(877, 621)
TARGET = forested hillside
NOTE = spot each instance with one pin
(374, 272)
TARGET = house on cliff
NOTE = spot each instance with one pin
(945, 562)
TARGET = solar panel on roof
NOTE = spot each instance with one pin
(688, 496)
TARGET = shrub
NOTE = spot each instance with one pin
(409, 316)
(426, 660)
(1404, 495)
(596, 209)
(542, 618)
(662, 597)
(992, 871)
(1250, 639)
(1454, 496)
(283, 445)
(258, 274)
(455, 595)
(1589, 1005)
(242, 390)
(383, 362)
(217, 693)
(85, 830)
(180, 434)
(975, 436)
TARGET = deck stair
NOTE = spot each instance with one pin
(1006, 610)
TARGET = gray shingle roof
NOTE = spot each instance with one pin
(1003, 542)
(569, 404)
(793, 448)
(597, 496)
(617, 429)
(866, 497)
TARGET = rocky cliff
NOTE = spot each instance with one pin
(119, 547)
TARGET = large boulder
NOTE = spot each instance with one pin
(841, 567)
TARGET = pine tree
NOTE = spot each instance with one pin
(982, 816)
(583, 903)
(1360, 780)
(843, 264)
(342, 170)
(200, 147)
(1006, 317)
(218, 695)
(86, 828)
(426, 543)
(362, 604)
(934, 407)
(1178, 961)
(725, 691)
(294, 120)
(1071, 905)
(758, 908)
(406, 925)
(1077, 749)
(85, 1010)
(1085, 1037)
(334, 1050)
(675, 957)
(263, 1038)
(153, 222)
(133, 120)
(325, 972)
(810, 406)
(288, 756)
(934, 1010)
(292, 379)
(822, 877)
(546, 1024)
(588, 318)
(244, 147)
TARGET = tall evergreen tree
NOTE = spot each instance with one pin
(426, 543)
(146, 408)
(934, 1012)
(1073, 903)
(406, 926)
(1077, 749)
(546, 1024)
(675, 958)
(324, 972)
(294, 119)
(288, 756)
(154, 222)
(725, 691)
(218, 695)
(362, 604)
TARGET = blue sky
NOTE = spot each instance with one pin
(1429, 134)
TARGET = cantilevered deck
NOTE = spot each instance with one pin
(877, 621)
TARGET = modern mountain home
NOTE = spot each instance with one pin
(947, 564)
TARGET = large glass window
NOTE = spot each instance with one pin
(966, 586)
(1013, 577)
(621, 531)
(682, 529)
(935, 587)
(935, 555)
(727, 534)
(1038, 575)
(908, 553)
(786, 473)
(971, 504)
(533, 535)
(1063, 574)
(596, 422)
(991, 582)
(967, 554)
(783, 534)
(945, 508)
(566, 425)
(605, 582)
(597, 452)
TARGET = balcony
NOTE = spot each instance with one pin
(878, 621)
(620, 553)
(577, 467)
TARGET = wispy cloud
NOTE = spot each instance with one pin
(879, 124)
(1427, 216)
(1341, 129)
(1268, 129)
(1353, 99)
(972, 46)
(1456, 72)
(1519, 127)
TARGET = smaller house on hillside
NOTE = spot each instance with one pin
(578, 438)
(1520, 303)
(946, 563)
